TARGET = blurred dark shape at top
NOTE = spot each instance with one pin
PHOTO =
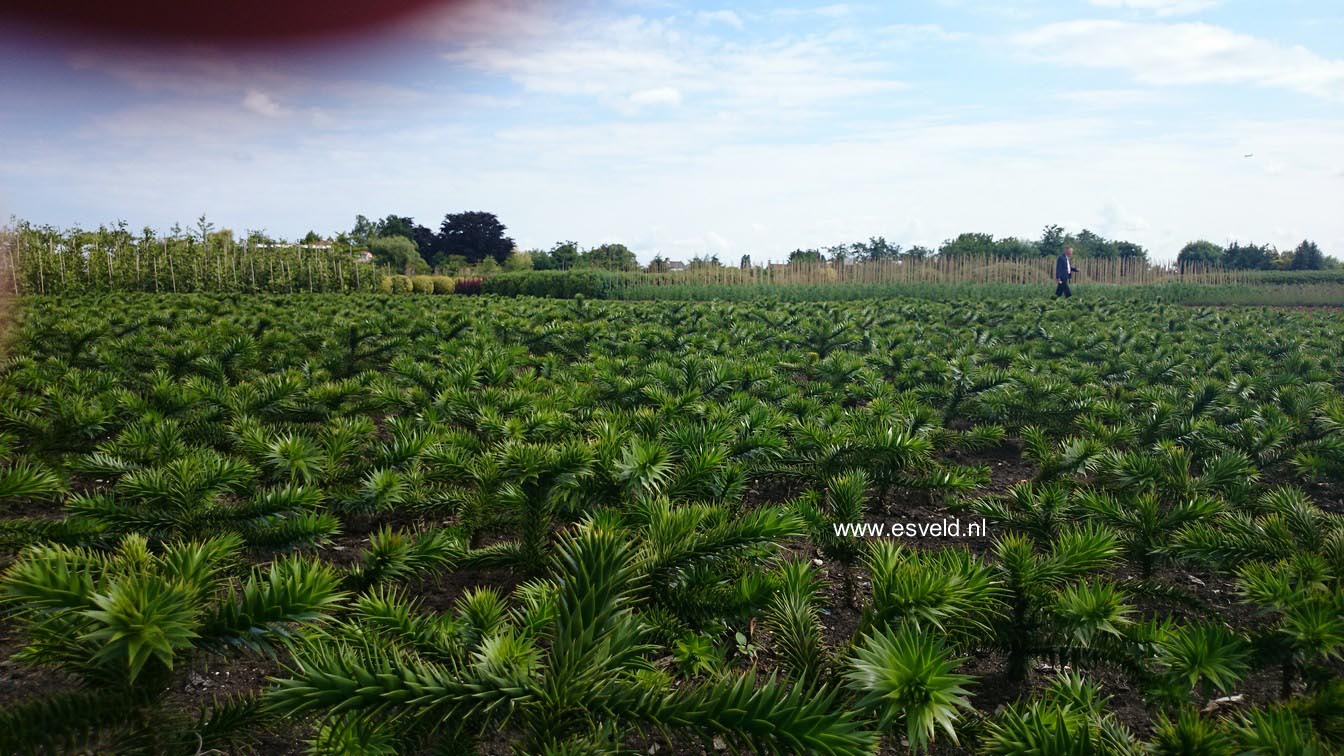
(223, 23)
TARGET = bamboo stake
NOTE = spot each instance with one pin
(172, 272)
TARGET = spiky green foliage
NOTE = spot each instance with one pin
(1190, 734)
(352, 736)
(1146, 525)
(587, 674)
(906, 677)
(65, 722)
(294, 591)
(1070, 456)
(701, 562)
(393, 556)
(1323, 708)
(1049, 611)
(1303, 601)
(1192, 655)
(1039, 511)
(948, 591)
(1275, 526)
(121, 621)
(794, 616)
(844, 502)
(1086, 611)
(1277, 732)
(1069, 719)
(1170, 450)
(29, 481)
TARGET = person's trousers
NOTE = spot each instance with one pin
(1063, 290)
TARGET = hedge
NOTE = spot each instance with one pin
(560, 284)
(1333, 276)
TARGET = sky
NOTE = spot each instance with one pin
(728, 128)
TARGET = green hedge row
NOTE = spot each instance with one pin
(1335, 276)
(560, 284)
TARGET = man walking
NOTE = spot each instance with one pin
(1064, 270)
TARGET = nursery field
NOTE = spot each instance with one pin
(362, 524)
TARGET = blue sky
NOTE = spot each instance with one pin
(725, 128)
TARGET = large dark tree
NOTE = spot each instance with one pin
(427, 242)
(474, 235)
(1308, 256)
(1091, 245)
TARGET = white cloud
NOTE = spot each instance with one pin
(726, 17)
(922, 181)
(906, 33)
(1186, 54)
(1114, 99)
(718, 242)
(659, 186)
(667, 96)
(798, 134)
(838, 10)
(1117, 222)
(609, 59)
(1161, 8)
(262, 104)
(605, 62)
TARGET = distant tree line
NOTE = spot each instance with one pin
(1239, 256)
(1054, 239)
(478, 241)
(473, 239)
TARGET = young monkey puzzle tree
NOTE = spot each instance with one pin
(1050, 609)
(842, 504)
(901, 665)
(1303, 599)
(523, 487)
(906, 675)
(570, 671)
(1196, 658)
(117, 622)
(794, 617)
(1069, 719)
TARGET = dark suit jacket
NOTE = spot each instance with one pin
(1062, 269)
